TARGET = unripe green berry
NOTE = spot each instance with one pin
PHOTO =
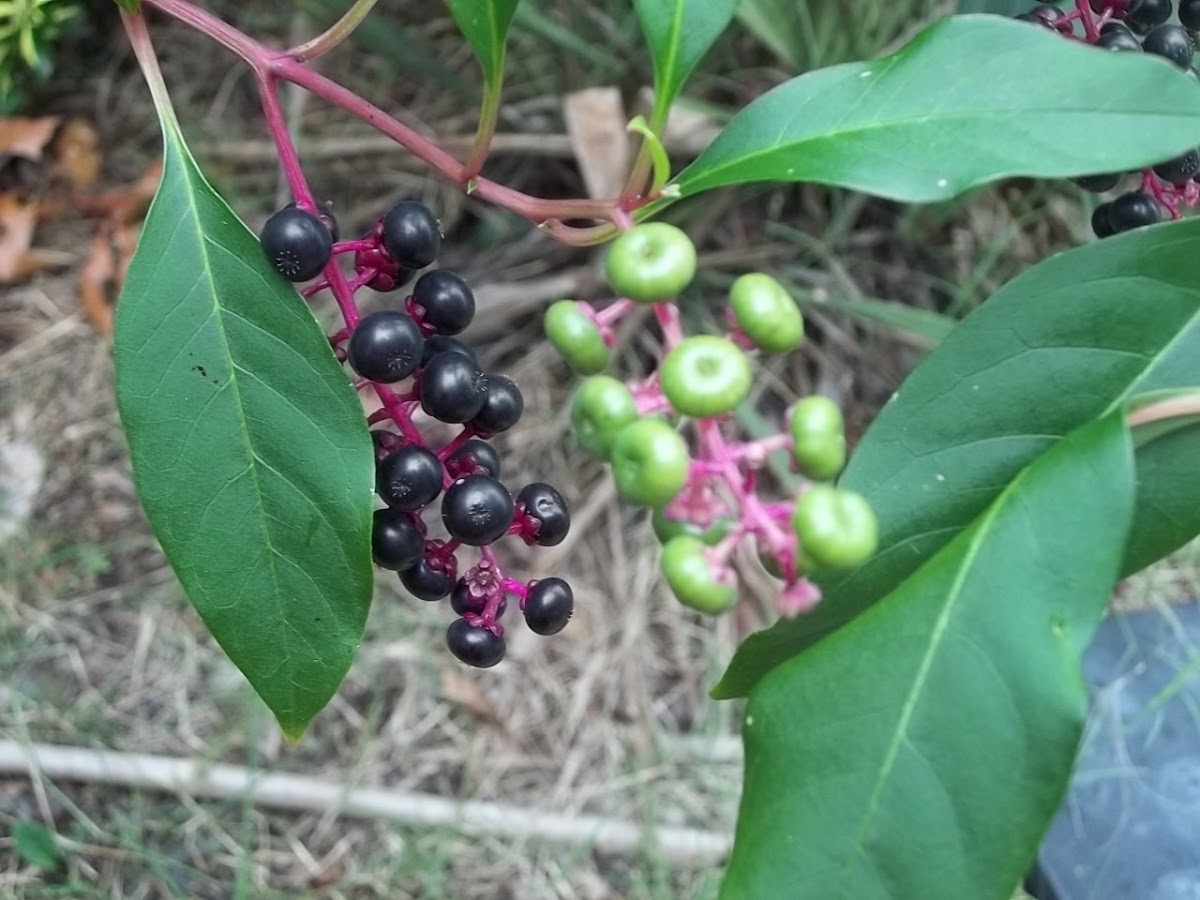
(837, 529)
(818, 437)
(766, 312)
(601, 407)
(650, 462)
(705, 376)
(691, 579)
(576, 337)
(651, 263)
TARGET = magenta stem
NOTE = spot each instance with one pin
(1091, 30)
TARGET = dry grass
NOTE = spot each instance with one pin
(99, 648)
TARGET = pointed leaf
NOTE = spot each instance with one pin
(249, 447)
(921, 751)
(679, 33)
(37, 845)
(1063, 344)
(970, 100)
(485, 23)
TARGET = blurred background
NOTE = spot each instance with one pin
(98, 646)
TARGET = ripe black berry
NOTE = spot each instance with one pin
(1145, 14)
(1098, 184)
(386, 346)
(409, 478)
(548, 606)
(1133, 210)
(396, 542)
(1189, 14)
(410, 235)
(447, 300)
(1171, 42)
(546, 505)
(1121, 39)
(452, 388)
(462, 601)
(1181, 169)
(436, 344)
(477, 510)
(474, 645)
(1101, 224)
(425, 582)
(326, 216)
(297, 243)
(472, 456)
(502, 407)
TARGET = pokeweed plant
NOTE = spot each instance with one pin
(913, 715)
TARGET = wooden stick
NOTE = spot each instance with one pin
(191, 777)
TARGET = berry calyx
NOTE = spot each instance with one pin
(705, 376)
(548, 606)
(546, 506)
(691, 578)
(409, 479)
(649, 462)
(474, 457)
(767, 313)
(427, 581)
(396, 541)
(297, 243)
(1133, 210)
(386, 346)
(477, 510)
(446, 301)
(464, 600)
(836, 528)
(576, 338)
(475, 645)
(650, 263)
(818, 437)
(502, 407)
(410, 235)
(601, 407)
(452, 388)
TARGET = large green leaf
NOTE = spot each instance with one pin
(248, 444)
(1063, 344)
(485, 23)
(679, 33)
(921, 751)
(970, 100)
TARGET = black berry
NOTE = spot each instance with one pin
(474, 645)
(447, 300)
(1119, 40)
(1133, 210)
(1101, 224)
(462, 601)
(396, 541)
(297, 243)
(386, 346)
(326, 216)
(452, 388)
(410, 235)
(410, 478)
(1171, 42)
(502, 407)
(477, 510)
(427, 583)
(437, 344)
(1189, 14)
(1181, 169)
(472, 456)
(548, 606)
(1098, 184)
(544, 504)
(1144, 14)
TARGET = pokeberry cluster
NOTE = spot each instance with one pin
(1136, 26)
(675, 446)
(410, 357)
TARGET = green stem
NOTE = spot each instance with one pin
(335, 34)
(489, 115)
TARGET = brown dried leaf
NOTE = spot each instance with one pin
(595, 120)
(465, 692)
(17, 221)
(26, 137)
(77, 153)
(97, 280)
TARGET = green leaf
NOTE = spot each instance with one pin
(249, 447)
(970, 100)
(37, 845)
(485, 25)
(1067, 342)
(679, 33)
(921, 751)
